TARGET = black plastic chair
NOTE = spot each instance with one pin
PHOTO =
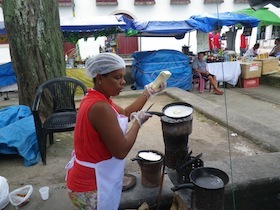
(60, 93)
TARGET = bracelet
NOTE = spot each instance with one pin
(147, 96)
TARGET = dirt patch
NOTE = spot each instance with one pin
(207, 137)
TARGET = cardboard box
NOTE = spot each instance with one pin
(251, 70)
(248, 83)
(269, 65)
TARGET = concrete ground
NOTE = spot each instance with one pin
(253, 114)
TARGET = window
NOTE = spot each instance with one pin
(144, 2)
(65, 3)
(173, 2)
(276, 32)
(213, 1)
(241, 1)
(106, 2)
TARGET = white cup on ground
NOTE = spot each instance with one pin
(44, 192)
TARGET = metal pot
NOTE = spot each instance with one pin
(150, 169)
(208, 188)
(143, 159)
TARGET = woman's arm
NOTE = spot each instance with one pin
(135, 106)
(104, 120)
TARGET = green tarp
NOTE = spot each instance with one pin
(265, 16)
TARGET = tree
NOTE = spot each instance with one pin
(36, 44)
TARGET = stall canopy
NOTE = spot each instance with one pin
(265, 16)
(98, 23)
(75, 28)
(210, 22)
(176, 29)
(76, 24)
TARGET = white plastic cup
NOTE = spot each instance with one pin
(44, 192)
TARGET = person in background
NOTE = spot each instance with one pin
(252, 52)
(276, 49)
(216, 42)
(200, 66)
(210, 41)
(101, 137)
(243, 44)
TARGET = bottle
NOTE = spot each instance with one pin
(162, 77)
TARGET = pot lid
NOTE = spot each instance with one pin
(178, 111)
(150, 156)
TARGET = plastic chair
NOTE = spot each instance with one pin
(198, 79)
(59, 93)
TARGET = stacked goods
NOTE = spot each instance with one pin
(251, 70)
(269, 65)
(250, 73)
(248, 83)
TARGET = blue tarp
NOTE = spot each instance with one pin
(2, 28)
(210, 22)
(148, 64)
(18, 134)
(7, 75)
(176, 29)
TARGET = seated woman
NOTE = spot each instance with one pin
(276, 49)
(200, 66)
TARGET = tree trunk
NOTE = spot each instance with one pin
(36, 44)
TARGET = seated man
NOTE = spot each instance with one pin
(200, 66)
(252, 51)
(276, 49)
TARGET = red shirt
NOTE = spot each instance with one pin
(243, 41)
(217, 41)
(88, 146)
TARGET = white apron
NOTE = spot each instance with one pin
(109, 176)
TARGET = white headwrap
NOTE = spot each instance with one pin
(103, 63)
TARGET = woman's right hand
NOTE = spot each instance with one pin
(154, 92)
(141, 117)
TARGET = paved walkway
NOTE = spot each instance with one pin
(252, 112)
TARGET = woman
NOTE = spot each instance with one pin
(101, 139)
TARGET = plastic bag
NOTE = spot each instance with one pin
(19, 197)
(4, 192)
